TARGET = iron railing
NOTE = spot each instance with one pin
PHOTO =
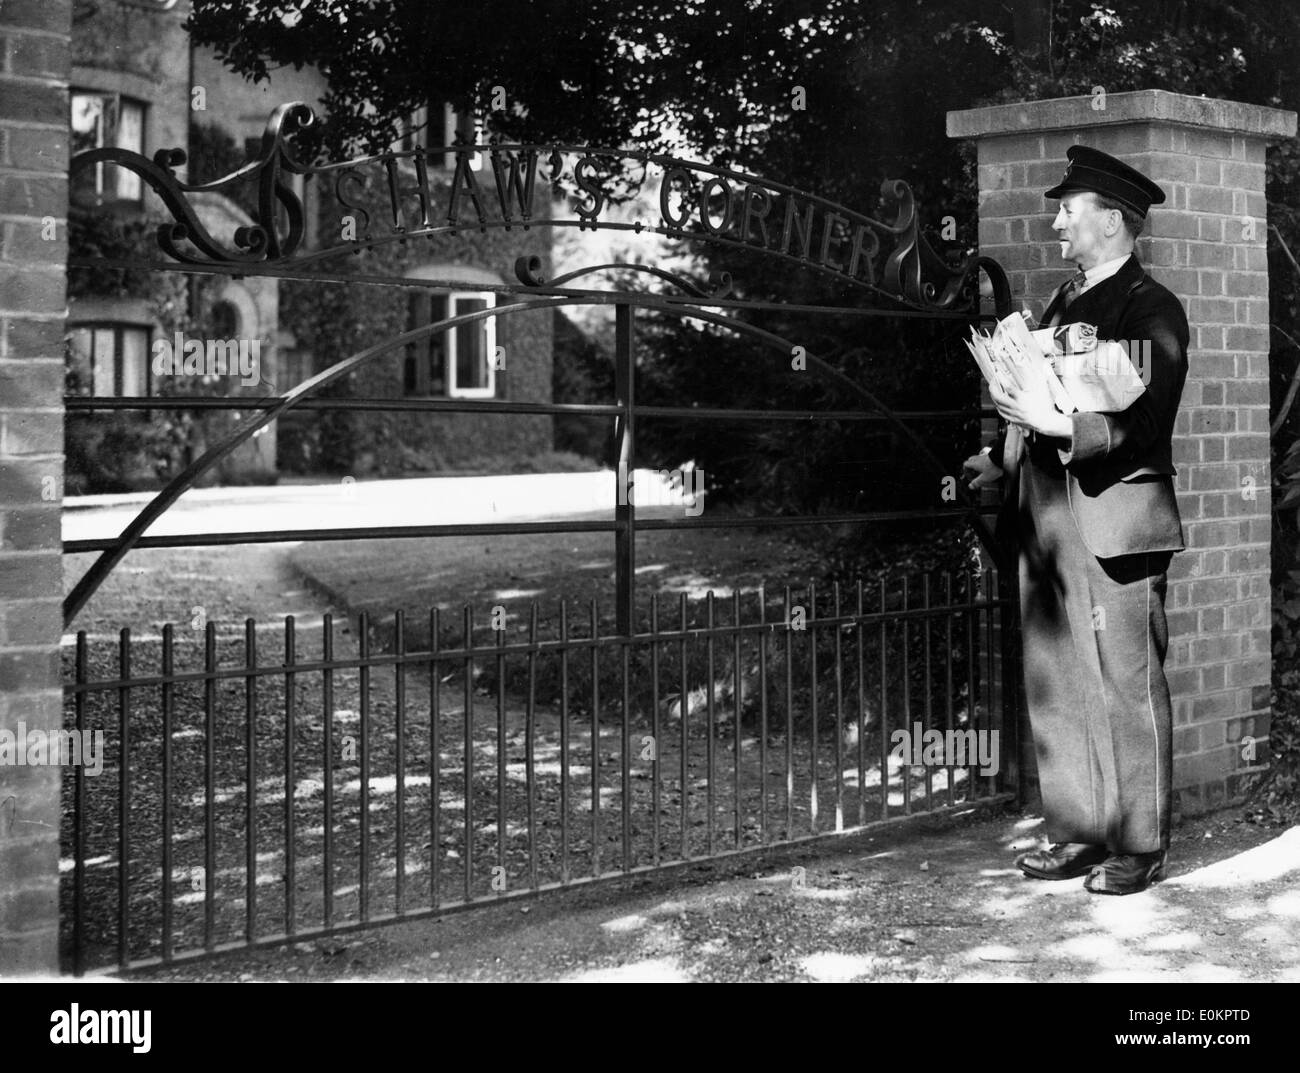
(247, 801)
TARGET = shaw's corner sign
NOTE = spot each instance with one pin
(389, 197)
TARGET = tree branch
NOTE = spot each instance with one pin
(1287, 250)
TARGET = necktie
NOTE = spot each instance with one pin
(1068, 295)
(1074, 286)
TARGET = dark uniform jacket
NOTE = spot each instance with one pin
(1119, 466)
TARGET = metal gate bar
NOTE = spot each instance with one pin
(168, 856)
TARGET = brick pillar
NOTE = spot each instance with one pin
(1206, 243)
(34, 38)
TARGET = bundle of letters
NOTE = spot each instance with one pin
(1081, 372)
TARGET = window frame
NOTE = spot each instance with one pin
(433, 125)
(454, 391)
(468, 123)
(117, 327)
(451, 353)
(121, 102)
(413, 130)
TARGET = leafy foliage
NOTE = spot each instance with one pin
(119, 451)
(581, 373)
(101, 234)
(214, 154)
(570, 70)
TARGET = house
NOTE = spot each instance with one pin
(139, 83)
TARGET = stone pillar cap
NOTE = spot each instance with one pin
(1138, 106)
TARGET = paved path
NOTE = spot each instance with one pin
(897, 905)
(421, 501)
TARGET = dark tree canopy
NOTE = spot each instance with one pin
(832, 95)
(722, 72)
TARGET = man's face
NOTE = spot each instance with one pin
(1080, 224)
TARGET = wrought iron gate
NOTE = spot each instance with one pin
(350, 780)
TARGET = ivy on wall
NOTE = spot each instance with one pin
(119, 451)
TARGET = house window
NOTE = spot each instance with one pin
(438, 126)
(414, 131)
(457, 364)
(107, 120)
(471, 131)
(224, 319)
(109, 359)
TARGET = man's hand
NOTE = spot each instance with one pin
(1028, 403)
(985, 469)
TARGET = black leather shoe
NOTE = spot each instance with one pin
(1065, 860)
(1127, 873)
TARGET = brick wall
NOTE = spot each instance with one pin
(1206, 243)
(34, 37)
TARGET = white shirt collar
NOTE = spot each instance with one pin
(1103, 271)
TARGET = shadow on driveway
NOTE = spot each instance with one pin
(931, 901)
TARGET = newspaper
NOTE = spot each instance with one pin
(1082, 372)
(1010, 354)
